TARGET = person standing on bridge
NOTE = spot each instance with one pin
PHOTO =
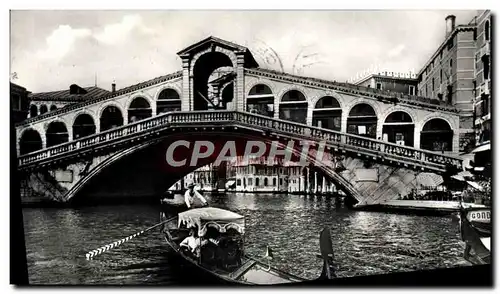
(190, 194)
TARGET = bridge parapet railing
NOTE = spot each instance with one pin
(245, 118)
(333, 136)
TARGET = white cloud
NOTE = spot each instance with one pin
(61, 41)
(396, 51)
(118, 32)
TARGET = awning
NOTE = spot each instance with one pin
(475, 185)
(429, 180)
(485, 147)
(461, 176)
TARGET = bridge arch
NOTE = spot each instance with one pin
(30, 141)
(293, 105)
(83, 125)
(168, 99)
(399, 127)
(138, 109)
(436, 135)
(110, 116)
(33, 110)
(53, 107)
(260, 99)
(327, 113)
(56, 133)
(203, 64)
(43, 109)
(155, 148)
(362, 120)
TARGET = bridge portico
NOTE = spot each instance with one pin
(221, 77)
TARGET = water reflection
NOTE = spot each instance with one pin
(364, 242)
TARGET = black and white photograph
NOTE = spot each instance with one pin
(251, 147)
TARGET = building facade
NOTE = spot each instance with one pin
(449, 75)
(19, 103)
(483, 78)
(44, 102)
(405, 83)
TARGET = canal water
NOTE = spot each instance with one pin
(364, 243)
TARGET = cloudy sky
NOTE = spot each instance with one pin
(52, 49)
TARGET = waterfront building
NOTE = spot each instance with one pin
(448, 75)
(19, 102)
(43, 102)
(405, 83)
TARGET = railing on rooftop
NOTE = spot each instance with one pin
(343, 141)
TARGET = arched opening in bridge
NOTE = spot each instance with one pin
(227, 95)
(33, 111)
(362, 121)
(293, 107)
(168, 100)
(399, 128)
(139, 109)
(57, 133)
(260, 100)
(436, 135)
(53, 107)
(43, 109)
(30, 142)
(202, 70)
(327, 113)
(83, 126)
(111, 117)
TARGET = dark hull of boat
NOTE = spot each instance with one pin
(225, 279)
(476, 234)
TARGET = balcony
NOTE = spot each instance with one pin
(485, 50)
(485, 87)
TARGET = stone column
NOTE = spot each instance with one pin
(416, 136)
(239, 86)
(315, 189)
(186, 103)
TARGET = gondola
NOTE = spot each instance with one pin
(225, 259)
(475, 230)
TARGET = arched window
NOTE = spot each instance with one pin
(327, 113)
(139, 109)
(399, 128)
(274, 182)
(487, 30)
(436, 135)
(293, 107)
(83, 126)
(362, 121)
(33, 110)
(266, 182)
(30, 142)
(260, 100)
(111, 117)
(168, 100)
(43, 109)
(53, 107)
(57, 133)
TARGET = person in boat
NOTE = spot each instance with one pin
(193, 242)
(191, 194)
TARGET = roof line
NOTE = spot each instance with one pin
(91, 101)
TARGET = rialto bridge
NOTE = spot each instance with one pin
(384, 140)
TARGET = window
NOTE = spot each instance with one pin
(274, 182)
(257, 182)
(250, 181)
(440, 96)
(485, 109)
(486, 67)
(449, 93)
(412, 90)
(487, 30)
(432, 84)
(441, 75)
(281, 181)
(379, 86)
(16, 102)
(441, 55)
(238, 182)
(451, 67)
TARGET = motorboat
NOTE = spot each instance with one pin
(220, 252)
(475, 230)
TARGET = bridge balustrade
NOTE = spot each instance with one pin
(345, 141)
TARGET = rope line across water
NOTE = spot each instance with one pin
(91, 254)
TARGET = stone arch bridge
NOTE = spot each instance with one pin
(61, 151)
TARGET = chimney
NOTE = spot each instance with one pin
(113, 87)
(450, 24)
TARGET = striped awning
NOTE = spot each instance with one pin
(429, 180)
